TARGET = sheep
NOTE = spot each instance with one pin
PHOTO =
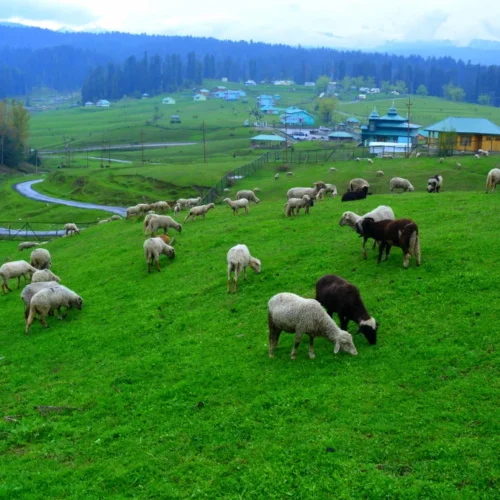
(44, 275)
(493, 179)
(370, 161)
(132, 212)
(161, 206)
(459, 165)
(247, 194)
(321, 194)
(293, 314)
(276, 177)
(339, 295)
(239, 258)
(30, 290)
(162, 222)
(297, 203)
(70, 228)
(332, 169)
(434, 184)
(483, 152)
(153, 248)
(182, 202)
(193, 202)
(441, 160)
(256, 190)
(15, 269)
(380, 173)
(146, 221)
(115, 217)
(226, 190)
(418, 155)
(332, 189)
(50, 299)
(103, 221)
(358, 160)
(400, 183)
(401, 233)
(290, 174)
(358, 184)
(25, 245)
(177, 209)
(355, 195)
(382, 212)
(166, 239)
(476, 156)
(299, 192)
(144, 207)
(388, 157)
(40, 258)
(235, 205)
(199, 211)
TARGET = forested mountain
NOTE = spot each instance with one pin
(33, 56)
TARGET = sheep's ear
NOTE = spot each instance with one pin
(337, 347)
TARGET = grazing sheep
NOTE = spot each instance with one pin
(162, 222)
(382, 212)
(132, 212)
(486, 153)
(177, 209)
(358, 160)
(299, 192)
(40, 258)
(459, 165)
(332, 189)
(52, 299)
(332, 169)
(44, 275)
(434, 184)
(182, 202)
(441, 160)
(153, 248)
(483, 152)
(235, 205)
(193, 202)
(358, 184)
(71, 229)
(26, 245)
(293, 314)
(400, 183)
(256, 190)
(355, 195)
(290, 174)
(146, 221)
(418, 155)
(199, 211)
(339, 295)
(380, 173)
(30, 290)
(161, 206)
(276, 177)
(370, 161)
(226, 190)
(321, 194)
(239, 258)
(15, 269)
(115, 217)
(493, 179)
(476, 156)
(402, 233)
(248, 195)
(297, 203)
(103, 221)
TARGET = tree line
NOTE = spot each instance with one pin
(14, 131)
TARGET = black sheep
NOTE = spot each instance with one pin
(355, 195)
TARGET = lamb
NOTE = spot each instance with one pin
(380, 173)
(153, 248)
(400, 183)
(26, 245)
(177, 209)
(441, 160)
(30, 290)
(144, 207)
(434, 184)
(161, 206)
(40, 258)
(162, 222)
(459, 165)
(358, 184)
(401, 233)
(15, 269)
(44, 275)
(332, 189)
(358, 160)
(115, 217)
(248, 195)
(132, 212)
(332, 169)
(493, 179)
(418, 155)
(338, 295)
(476, 156)
(50, 299)
(226, 190)
(290, 174)
(370, 161)
(276, 177)
(199, 211)
(239, 258)
(297, 203)
(382, 212)
(193, 202)
(293, 314)
(70, 228)
(483, 152)
(299, 192)
(235, 205)
(355, 195)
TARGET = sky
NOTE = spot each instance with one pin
(351, 24)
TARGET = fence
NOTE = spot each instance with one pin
(35, 231)
(236, 174)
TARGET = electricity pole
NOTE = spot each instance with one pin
(204, 144)
(286, 138)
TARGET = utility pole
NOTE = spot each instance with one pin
(142, 146)
(204, 144)
(409, 105)
(109, 154)
(87, 157)
(286, 137)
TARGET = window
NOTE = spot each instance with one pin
(465, 140)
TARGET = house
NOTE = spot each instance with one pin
(352, 122)
(465, 134)
(361, 97)
(103, 103)
(204, 92)
(267, 141)
(309, 84)
(168, 100)
(296, 116)
(88, 104)
(340, 136)
(375, 90)
(265, 100)
(199, 97)
(231, 95)
(389, 128)
(270, 110)
(175, 119)
(276, 97)
(219, 88)
(249, 83)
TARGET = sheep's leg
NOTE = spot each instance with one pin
(274, 336)
(417, 252)
(42, 320)
(387, 251)
(374, 244)
(157, 263)
(381, 251)
(311, 347)
(236, 274)
(245, 273)
(364, 247)
(19, 282)
(29, 321)
(246, 210)
(298, 336)
(344, 322)
(406, 260)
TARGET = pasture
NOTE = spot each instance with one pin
(163, 383)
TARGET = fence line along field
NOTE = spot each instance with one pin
(162, 384)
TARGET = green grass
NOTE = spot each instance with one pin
(173, 390)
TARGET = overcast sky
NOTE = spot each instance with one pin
(352, 23)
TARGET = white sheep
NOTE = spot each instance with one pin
(290, 174)
(358, 184)
(162, 222)
(193, 202)
(15, 269)
(161, 206)
(299, 192)
(358, 160)
(441, 160)
(226, 190)
(146, 221)
(297, 203)
(177, 209)
(321, 194)
(459, 165)
(380, 173)
(25, 245)
(115, 217)
(418, 155)
(199, 211)
(400, 183)
(238, 259)
(40, 258)
(293, 314)
(52, 299)
(276, 177)
(153, 248)
(103, 221)
(370, 161)
(30, 290)
(71, 228)
(332, 189)
(133, 212)
(235, 205)
(247, 194)
(493, 179)
(476, 156)
(256, 190)
(332, 169)
(44, 275)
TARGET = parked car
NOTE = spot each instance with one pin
(324, 129)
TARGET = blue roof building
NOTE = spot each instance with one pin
(296, 116)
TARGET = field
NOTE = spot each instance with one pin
(164, 384)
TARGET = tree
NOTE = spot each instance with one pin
(346, 83)
(322, 84)
(484, 99)
(422, 90)
(447, 142)
(14, 131)
(327, 107)
(453, 93)
(386, 87)
(401, 87)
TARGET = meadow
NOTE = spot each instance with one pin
(165, 388)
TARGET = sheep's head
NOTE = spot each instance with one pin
(210, 205)
(369, 330)
(257, 200)
(319, 185)
(306, 197)
(255, 264)
(411, 188)
(226, 200)
(77, 302)
(431, 186)
(347, 219)
(344, 343)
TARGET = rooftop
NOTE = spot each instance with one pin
(465, 126)
(341, 135)
(264, 137)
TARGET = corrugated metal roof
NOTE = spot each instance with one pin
(465, 126)
(264, 137)
(341, 135)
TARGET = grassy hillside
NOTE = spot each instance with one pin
(169, 390)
